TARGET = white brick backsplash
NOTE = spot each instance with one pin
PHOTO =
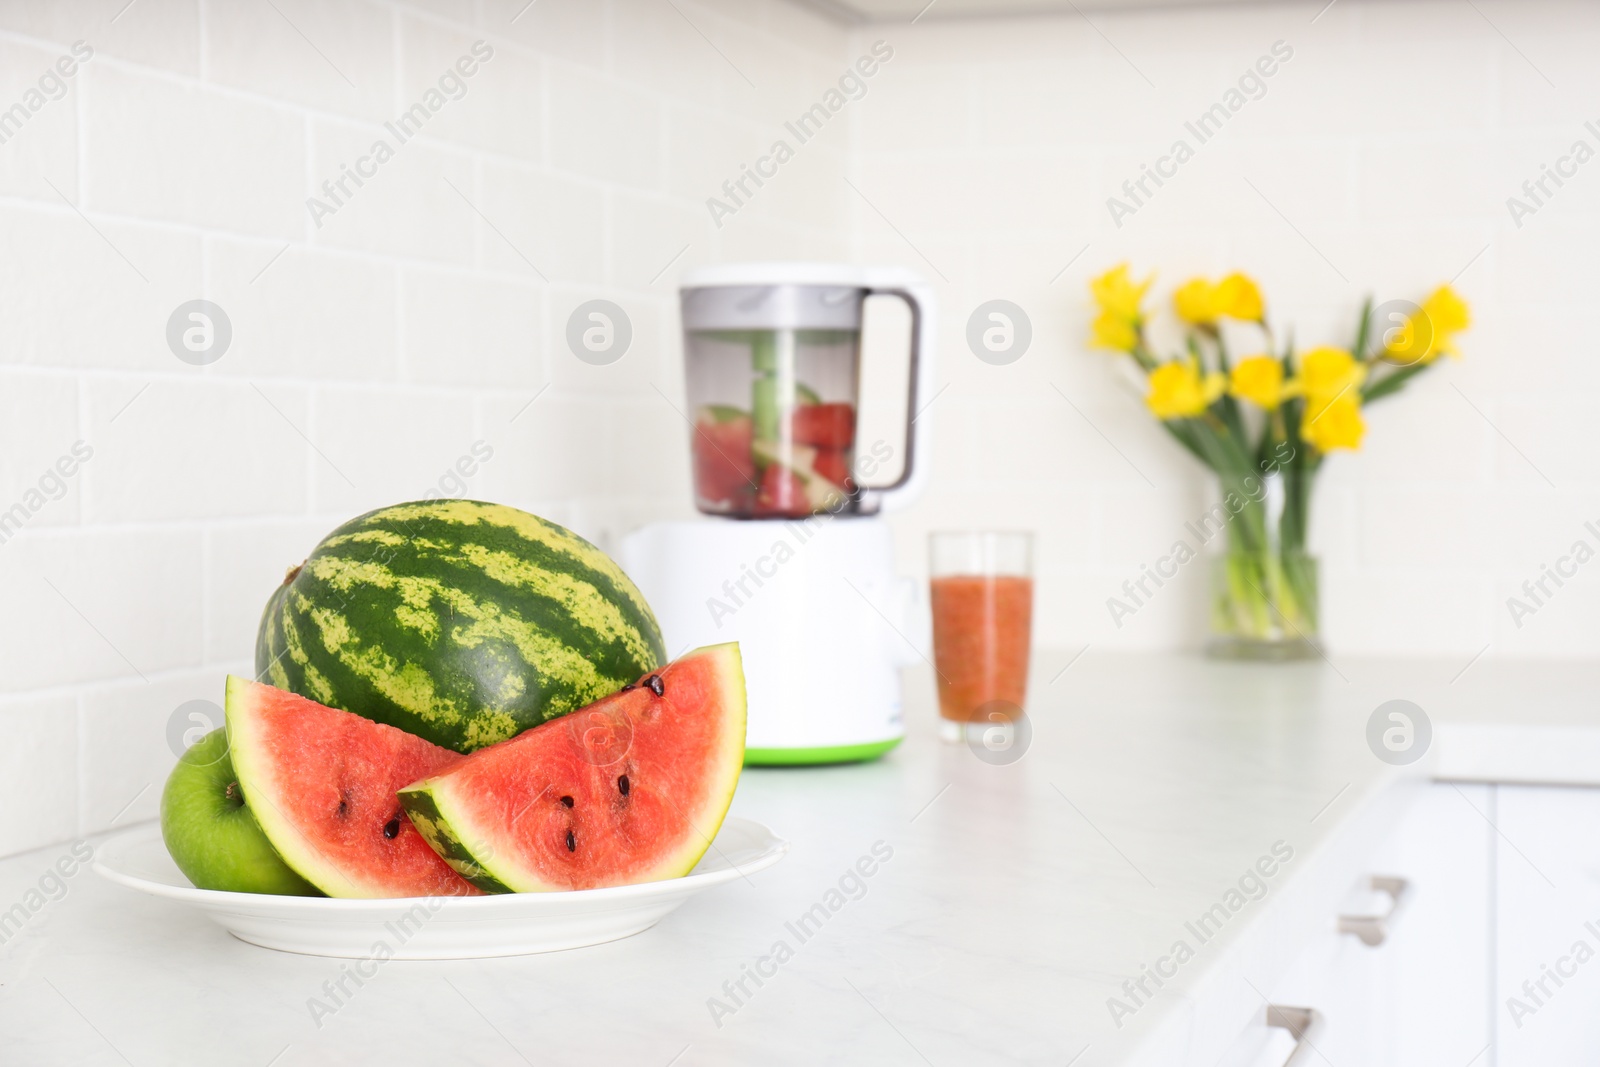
(574, 30)
(536, 223)
(103, 604)
(39, 764)
(428, 310)
(466, 330)
(137, 274)
(420, 203)
(1427, 86)
(1561, 625)
(496, 108)
(653, 241)
(602, 129)
(164, 150)
(909, 109)
(301, 312)
(640, 365)
(160, 33)
(244, 565)
(704, 150)
(800, 26)
(786, 81)
(1137, 524)
(1524, 256)
(643, 461)
(810, 186)
(197, 449)
(39, 470)
(126, 766)
(1546, 441)
(680, 51)
(1422, 530)
(1380, 612)
(387, 447)
(41, 149)
(552, 449)
(462, 13)
(304, 51)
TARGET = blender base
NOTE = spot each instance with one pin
(823, 625)
(795, 757)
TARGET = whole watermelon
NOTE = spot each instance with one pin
(461, 622)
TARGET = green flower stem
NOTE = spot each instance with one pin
(1377, 388)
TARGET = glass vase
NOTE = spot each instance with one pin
(1264, 594)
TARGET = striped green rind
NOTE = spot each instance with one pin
(462, 622)
(435, 829)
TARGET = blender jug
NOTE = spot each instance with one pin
(772, 358)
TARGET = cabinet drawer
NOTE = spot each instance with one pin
(1420, 997)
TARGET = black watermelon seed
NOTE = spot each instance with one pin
(622, 784)
(344, 804)
(391, 829)
(572, 842)
(630, 685)
(567, 801)
(654, 682)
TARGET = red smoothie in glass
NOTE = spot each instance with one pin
(981, 628)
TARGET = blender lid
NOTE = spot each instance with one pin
(777, 273)
(771, 306)
(796, 295)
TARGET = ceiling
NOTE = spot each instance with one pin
(905, 10)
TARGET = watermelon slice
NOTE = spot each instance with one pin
(723, 469)
(322, 783)
(630, 789)
(797, 489)
(824, 425)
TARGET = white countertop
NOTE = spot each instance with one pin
(1016, 901)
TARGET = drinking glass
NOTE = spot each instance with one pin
(982, 593)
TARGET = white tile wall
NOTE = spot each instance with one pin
(1387, 145)
(373, 350)
(370, 352)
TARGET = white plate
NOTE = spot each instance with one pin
(438, 928)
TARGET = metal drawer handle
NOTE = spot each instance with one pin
(1303, 1023)
(1373, 929)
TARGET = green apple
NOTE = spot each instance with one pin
(211, 834)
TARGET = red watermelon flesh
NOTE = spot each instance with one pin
(824, 425)
(632, 788)
(322, 783)
(724, 472)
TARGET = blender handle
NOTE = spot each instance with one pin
(920, 373)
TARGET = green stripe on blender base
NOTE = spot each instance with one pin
(800, 757)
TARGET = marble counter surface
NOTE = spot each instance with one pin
(1008, 902)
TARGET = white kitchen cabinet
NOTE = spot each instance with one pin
(1436, 982)
(1547, 929)
(1421, 998)
(1340, 978)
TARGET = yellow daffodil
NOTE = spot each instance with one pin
(1431, 330)
(1258, 379)
(1239, 298)
(1199, 302)
(1118, 297)
(1178, 390)
(1114, 332)
(1335, 423)
(1196, 302)
(1325, 374)
(1118, 294)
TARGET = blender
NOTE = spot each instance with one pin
(793, 560)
